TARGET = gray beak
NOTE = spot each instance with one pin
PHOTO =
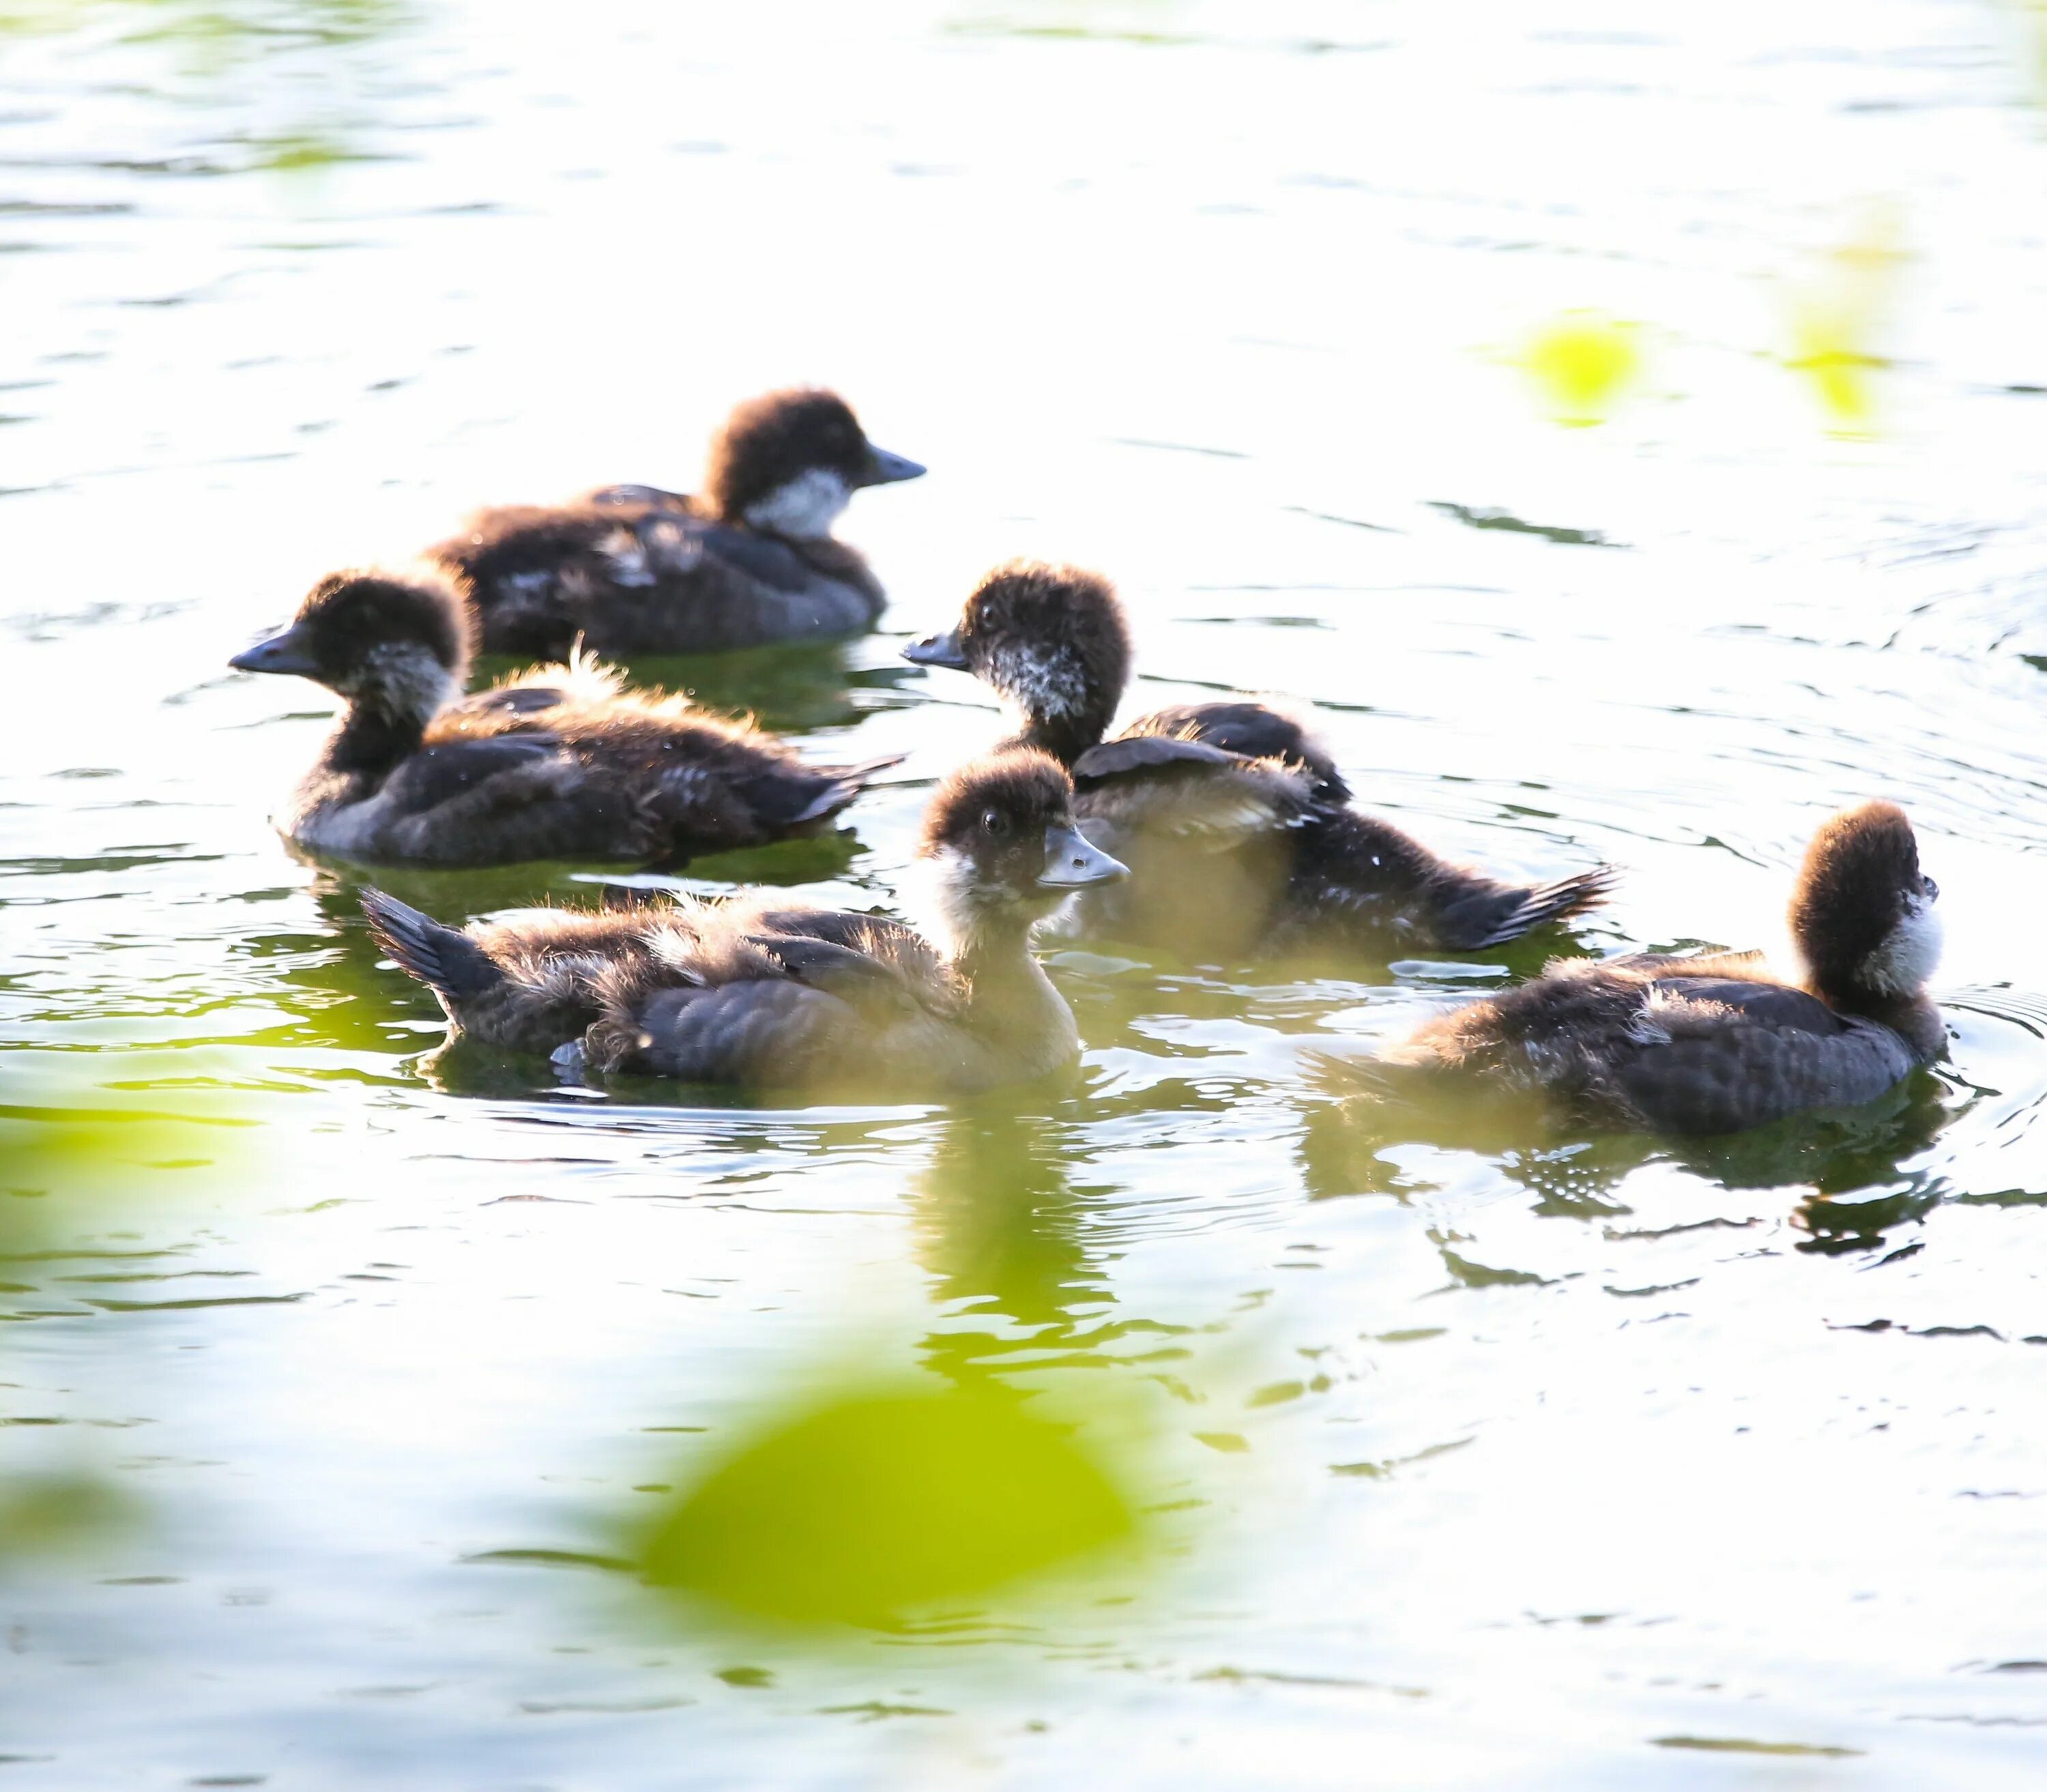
(282, 652)
(937, 650)
(1072, 862)
(885, 469)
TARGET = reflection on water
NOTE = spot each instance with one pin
(1001, 1232)
(1520, 1459)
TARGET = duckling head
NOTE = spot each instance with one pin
(788, 462)
(1000, 849)
(1053, 640)
(399, 646)
(1862, 912)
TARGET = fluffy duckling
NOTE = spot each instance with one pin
(1233, 817)
(558, 763)
(759, 994)
(1713, 1044)
(633, 569)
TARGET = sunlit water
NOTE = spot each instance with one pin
(1494, 1463)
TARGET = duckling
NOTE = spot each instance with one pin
(1234, 818)
(634, 569)
(1713, 1042)
(753, 992)
(559, 762)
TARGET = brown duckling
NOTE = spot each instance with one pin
(559, 762)
(754, 992)
(1234, 819)
(1713, 1042)
(634, 569)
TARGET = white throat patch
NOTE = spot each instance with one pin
(805, 508)
(1903, 963)
(1040, 681)
(404, 679)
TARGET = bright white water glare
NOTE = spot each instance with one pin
(1584, 1466)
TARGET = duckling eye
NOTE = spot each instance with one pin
(994, 823)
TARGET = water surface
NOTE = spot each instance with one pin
(1495, 1461)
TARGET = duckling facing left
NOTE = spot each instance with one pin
(558, 763)
(752, 992)
(1235, 821)
(1713, 1044)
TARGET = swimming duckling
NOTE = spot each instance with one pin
(753, 992)
(1713, 1042)
(1234, 819)
(558, 763)
(634, 569)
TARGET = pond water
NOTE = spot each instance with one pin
(1493, 1462)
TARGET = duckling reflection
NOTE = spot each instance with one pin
(1352, 1145)
(1002, 1232)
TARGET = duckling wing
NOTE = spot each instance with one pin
(762, 1031)
(450, 769)
(1720, 1055)
(829, 948)
(875, 987)
(1165, 783)
(1256, 731)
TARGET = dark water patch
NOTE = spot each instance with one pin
(1505, 520)
(107, 1306)
(1742, 1745)
(545, 1558)
(1382, 1469)
(1904, 1330)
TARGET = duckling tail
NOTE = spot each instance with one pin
(847, 782)
(446, 960)
(1547, 903)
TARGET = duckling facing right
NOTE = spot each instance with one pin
(759, 994)
(635, 569)
(1234, 819)
(1713, 1043)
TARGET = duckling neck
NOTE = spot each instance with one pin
(1067, 735)
(373, 739)
(1008, 990)
(1914, 1017)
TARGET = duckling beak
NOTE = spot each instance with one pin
(937, 650)
(885, 469)
(1072, 862)
(282, 652)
